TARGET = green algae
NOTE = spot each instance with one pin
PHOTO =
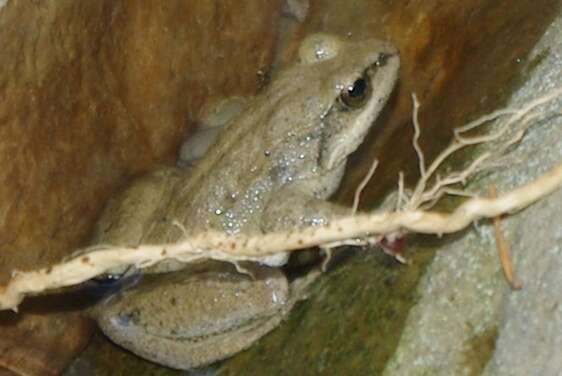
(350, 323)
(480, 350)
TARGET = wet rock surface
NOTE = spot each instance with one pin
(96, 92)
(92, 93)
(464, 297)
(42, 344)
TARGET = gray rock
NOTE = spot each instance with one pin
(468, 321)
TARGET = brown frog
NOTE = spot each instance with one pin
(272, 167)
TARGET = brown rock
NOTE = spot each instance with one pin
(91, 93)
(41, 344)
(95, 91)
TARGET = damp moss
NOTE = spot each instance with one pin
(351, 322)
(480, 350)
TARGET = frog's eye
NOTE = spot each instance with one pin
(357, 94)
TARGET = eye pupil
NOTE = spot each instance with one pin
(357, 89)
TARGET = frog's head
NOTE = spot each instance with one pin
(355, 81)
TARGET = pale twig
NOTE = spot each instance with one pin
(242, 270)
(401, 193)
(356, 198)
(447, 191)
(273, 247)
(422, 182)
(362, 185)
(503, 128)
(417, 133)
(517, 113)
(442, 185)
(220, 246)
(328, 254)
(503, 249)
(524, 114)
(180, 226)
(483, 120)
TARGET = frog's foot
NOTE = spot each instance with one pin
(300, 286)
(295, 208)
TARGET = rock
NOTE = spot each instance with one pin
(91, 94)
(464, 297)
(94, 92)
(97, 92)
(462, 59)
(41, 344)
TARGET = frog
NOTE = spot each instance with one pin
(272, 167)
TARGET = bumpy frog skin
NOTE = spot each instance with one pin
(272, 167)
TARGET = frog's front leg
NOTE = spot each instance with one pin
(294, 208)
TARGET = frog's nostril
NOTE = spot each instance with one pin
(383, 59)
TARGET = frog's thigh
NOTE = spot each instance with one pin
(127, 216)
(292, 208)
(187, 320)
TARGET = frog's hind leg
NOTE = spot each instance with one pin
(186, 320)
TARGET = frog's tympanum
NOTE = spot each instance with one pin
(271, 167)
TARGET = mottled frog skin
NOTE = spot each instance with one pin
(272, 167)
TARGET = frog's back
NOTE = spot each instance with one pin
(295, 133)
(229, 187)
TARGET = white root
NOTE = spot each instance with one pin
(351, 229)
(362, 185)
